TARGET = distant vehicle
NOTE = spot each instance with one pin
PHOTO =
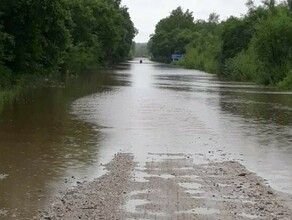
(141, 61)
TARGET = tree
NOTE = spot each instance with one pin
(272, 44)
(172, 34)
(40, 32)
(250, 5)
(6, 42)
(203, 53)
(213, 18)
(236, 36)
(52, 36)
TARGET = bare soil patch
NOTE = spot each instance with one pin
(172, 187)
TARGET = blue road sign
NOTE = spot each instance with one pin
(176, 56)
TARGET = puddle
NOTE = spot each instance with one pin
(190, 177)
(249, 202)
(132, 204)
(205, 211)
(223, 185)
(201, 211)
(166, 176)
(141, 176)
(194, 191)
(3, 176)
(167, 156)
(191, 185)
(249, 216)
(185, 168)
(139, 192)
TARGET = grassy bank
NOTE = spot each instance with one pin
(15, 86)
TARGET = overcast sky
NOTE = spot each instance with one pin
(146, 13)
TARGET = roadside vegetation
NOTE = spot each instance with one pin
(254, 47)
(40, 40)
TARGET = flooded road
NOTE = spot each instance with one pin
(59, 136)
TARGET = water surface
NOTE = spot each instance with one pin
(54, 137)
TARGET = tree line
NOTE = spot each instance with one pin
(254, 47)
(141, 50)
(60, 36)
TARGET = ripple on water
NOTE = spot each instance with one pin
(191, 186)
(3, 176)
(132, 204)
(245, 215)
(141, 176)
(3, 212)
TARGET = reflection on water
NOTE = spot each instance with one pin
(42, 144)
(164, 109)
(57, 133)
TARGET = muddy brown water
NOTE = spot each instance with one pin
(52, 138)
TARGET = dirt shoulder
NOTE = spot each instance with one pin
(100, 199)
(171, 187)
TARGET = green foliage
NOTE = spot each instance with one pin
(272, 44)
(268, 58)
(102, 31)
(236, 36)
(40, 33)
(286, 83)
(245, 66)
(6, 80)
(255, 47)
(48, 36)
(172, 34)
(289, 5)
(203, 53)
